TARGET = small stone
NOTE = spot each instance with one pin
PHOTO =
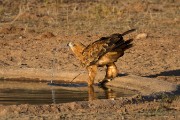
(20, 37)
(141, 36)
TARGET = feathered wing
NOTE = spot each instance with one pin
(94, 51)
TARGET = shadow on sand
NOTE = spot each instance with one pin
(122, 74)
(166, 73)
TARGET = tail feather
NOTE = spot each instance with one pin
(117, 40)
(124, 44)
(128, 41)
(128, 44)
(127, 32)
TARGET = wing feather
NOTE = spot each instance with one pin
(94, 51)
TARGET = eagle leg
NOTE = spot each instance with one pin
(111, 72)
(91, 93)
(92, 71)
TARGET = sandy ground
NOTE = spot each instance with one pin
(34, 35)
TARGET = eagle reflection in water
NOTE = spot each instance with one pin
(103, 92)
(108, 93)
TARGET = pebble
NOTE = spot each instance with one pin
(141, 36)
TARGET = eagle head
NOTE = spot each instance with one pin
(77, 48)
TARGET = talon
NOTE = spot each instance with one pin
(103, 82)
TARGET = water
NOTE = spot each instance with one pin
(13, 93)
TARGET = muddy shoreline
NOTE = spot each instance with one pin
(153, 95)
(149, 90)
(144, 85)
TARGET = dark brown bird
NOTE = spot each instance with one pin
(104, 51)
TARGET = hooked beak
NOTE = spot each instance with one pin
(70, 44)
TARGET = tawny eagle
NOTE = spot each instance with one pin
(104, 51)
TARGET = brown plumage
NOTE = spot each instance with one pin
(104, 51)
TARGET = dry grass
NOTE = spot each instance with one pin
(94, 16)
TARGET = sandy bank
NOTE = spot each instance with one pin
(145, 86)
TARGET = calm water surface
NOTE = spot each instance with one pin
(12, 92)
